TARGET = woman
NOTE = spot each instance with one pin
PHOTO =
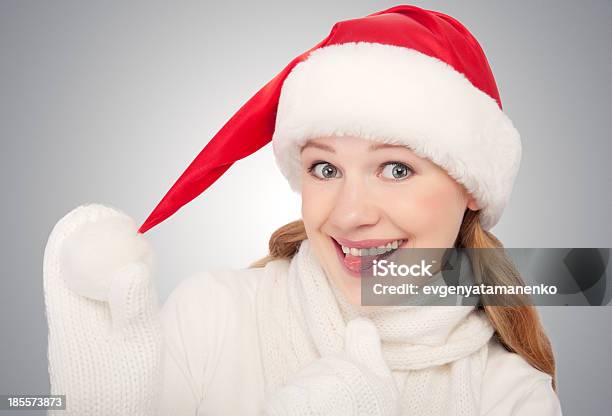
(392, 130)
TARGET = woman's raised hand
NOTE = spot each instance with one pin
(355, 383)
(102, 312)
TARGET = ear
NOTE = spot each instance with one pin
(472, 204)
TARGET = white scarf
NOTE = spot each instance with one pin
(436, 354)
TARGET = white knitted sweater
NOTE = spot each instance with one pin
(220, 358)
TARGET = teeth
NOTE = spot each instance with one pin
(372, 251)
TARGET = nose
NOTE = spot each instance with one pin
(354, 207)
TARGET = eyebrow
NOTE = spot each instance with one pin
(319, 146)
(374, 146)
(377, 146)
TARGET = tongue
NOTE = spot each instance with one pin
(352, 262)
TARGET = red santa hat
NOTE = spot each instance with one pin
(405, 76)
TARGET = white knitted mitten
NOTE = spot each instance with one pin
(354, 383)
(102, 312)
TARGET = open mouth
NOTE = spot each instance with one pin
(357, 260)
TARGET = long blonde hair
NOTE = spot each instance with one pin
(518, 328)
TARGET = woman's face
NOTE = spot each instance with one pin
(358, 193)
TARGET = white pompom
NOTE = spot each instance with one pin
(92, 253)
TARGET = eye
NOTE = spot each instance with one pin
(396, 170)
(324, 170)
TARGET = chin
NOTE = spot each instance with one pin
(345, 283)
(353, 298)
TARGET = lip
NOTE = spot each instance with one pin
(364, 243)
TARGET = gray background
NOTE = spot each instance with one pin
(109, 102)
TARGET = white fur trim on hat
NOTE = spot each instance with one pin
(397, 95)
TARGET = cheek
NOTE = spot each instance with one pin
(317, 201)
(431, 210)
